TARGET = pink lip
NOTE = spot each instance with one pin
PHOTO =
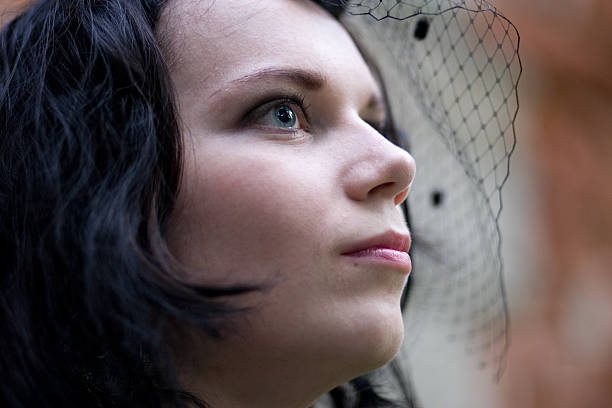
(388, 248)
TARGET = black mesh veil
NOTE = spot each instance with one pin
(451, 70)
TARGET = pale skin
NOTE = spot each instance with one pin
(283, 172)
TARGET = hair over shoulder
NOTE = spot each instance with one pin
(90, 162)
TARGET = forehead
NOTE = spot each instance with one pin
(213, 42)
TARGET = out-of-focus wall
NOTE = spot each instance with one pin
(561, 351)
(556, 222)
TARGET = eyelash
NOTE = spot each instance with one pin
(295, 100)
(299, 100)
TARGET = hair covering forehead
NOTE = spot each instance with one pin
(451, 70)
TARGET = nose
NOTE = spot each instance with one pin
(380, 169)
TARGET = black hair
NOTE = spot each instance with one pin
(90, 166)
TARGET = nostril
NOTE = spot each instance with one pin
(381, 187)
(401, 197)
(389, 188)
(384, 170)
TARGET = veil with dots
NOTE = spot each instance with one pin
(451, 70)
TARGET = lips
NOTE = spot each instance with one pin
(390, 240)
(388, 248)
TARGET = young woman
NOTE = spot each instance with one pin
(199, 206)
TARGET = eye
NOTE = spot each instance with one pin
(284, 114)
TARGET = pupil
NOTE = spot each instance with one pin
(285, 116)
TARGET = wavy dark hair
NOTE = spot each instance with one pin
(90, 166)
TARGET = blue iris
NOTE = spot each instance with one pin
(285, 116)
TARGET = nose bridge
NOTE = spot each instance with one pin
(378, 168)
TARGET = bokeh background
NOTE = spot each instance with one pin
(556, 223)
(561, 296)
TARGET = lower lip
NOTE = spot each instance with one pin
(399, 259)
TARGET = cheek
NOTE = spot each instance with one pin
(246, 215)
(254, 215)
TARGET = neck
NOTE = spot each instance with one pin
(233, 375)
(265, 385)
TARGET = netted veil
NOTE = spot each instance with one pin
(450, 69)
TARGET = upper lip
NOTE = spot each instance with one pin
(390, 239)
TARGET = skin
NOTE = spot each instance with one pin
(264, 204)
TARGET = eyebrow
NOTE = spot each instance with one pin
(306, 79)
(309, 80)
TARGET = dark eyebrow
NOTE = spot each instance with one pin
(305, 79)
(309, 80)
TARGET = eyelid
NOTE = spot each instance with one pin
(263, 107)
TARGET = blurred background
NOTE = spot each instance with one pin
(556, 222)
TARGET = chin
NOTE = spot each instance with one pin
(383, 339)
(374, 337)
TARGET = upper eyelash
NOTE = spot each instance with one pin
(385, 127)
(296, 99)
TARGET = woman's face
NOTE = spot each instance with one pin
(284, 180)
